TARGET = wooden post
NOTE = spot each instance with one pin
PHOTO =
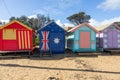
(29, 54)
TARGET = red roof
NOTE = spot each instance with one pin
(81, 25)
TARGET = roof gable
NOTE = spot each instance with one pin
(52, 26)
(15, 22)
(82, 25)
(107, 26)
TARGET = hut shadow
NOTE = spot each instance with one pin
(68, 54)
(63, 69)
(111, 54)
(36, 56)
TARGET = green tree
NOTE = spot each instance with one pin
(118, 23)
(43, 20)
(79, 18)
(0, 23)
(34, 23)
(12, 18)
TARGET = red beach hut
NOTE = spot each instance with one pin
(15, 37)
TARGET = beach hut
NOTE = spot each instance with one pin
(15, 37)
(52, 39)
(109, 37)
(82, 38)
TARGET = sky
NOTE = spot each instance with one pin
(101, 11)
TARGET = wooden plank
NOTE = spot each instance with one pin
(89, 54)
(15, 51)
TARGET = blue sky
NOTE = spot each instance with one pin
(100, 10)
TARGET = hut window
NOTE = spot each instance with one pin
(118, 35)
(105, 46)
(9, 34)
(105, 41)
(118, 46)
(118, 41)
(105, 35)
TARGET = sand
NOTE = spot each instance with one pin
(62, 67)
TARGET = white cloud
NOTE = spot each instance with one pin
(109, 5)
(64, 24)
(48, 10)
(59, 23)
(32, 16)
(6, 21)
(63, 4)
(96, 23)
(68, 25)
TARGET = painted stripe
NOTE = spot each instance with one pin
(28, 39)
(25, 39)
(19, 40)
(22, 40)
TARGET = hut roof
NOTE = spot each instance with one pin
(68, 28)
(51, 23)
(81, 25)
(118, 23)
(15, 21)
(103, 27)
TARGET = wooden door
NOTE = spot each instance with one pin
(84, 39)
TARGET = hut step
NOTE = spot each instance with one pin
(82, 54)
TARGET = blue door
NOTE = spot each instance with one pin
(57, 42)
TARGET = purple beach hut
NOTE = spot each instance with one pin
(109, 37)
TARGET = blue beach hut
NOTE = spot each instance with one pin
(52, 38)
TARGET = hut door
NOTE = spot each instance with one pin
(112, 38)
(23, 39)
(84, 39)
(115, 38)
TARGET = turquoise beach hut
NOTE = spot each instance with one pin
(82, 38)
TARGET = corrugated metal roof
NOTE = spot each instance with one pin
(100, 28)
(106, 26)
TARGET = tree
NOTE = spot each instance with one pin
(34, 23)
(118, 23)
(0, 23)
(24, 20)
(12, 18)
(79, 18)
(42, 20)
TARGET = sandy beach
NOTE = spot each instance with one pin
(61, 67)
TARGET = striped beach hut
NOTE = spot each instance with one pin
(82, 38)
(109, 37)
(15, 37)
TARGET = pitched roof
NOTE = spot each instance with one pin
(81, 25)
(51, 23)
(103, 27)
(68, 28)
(16, 22)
